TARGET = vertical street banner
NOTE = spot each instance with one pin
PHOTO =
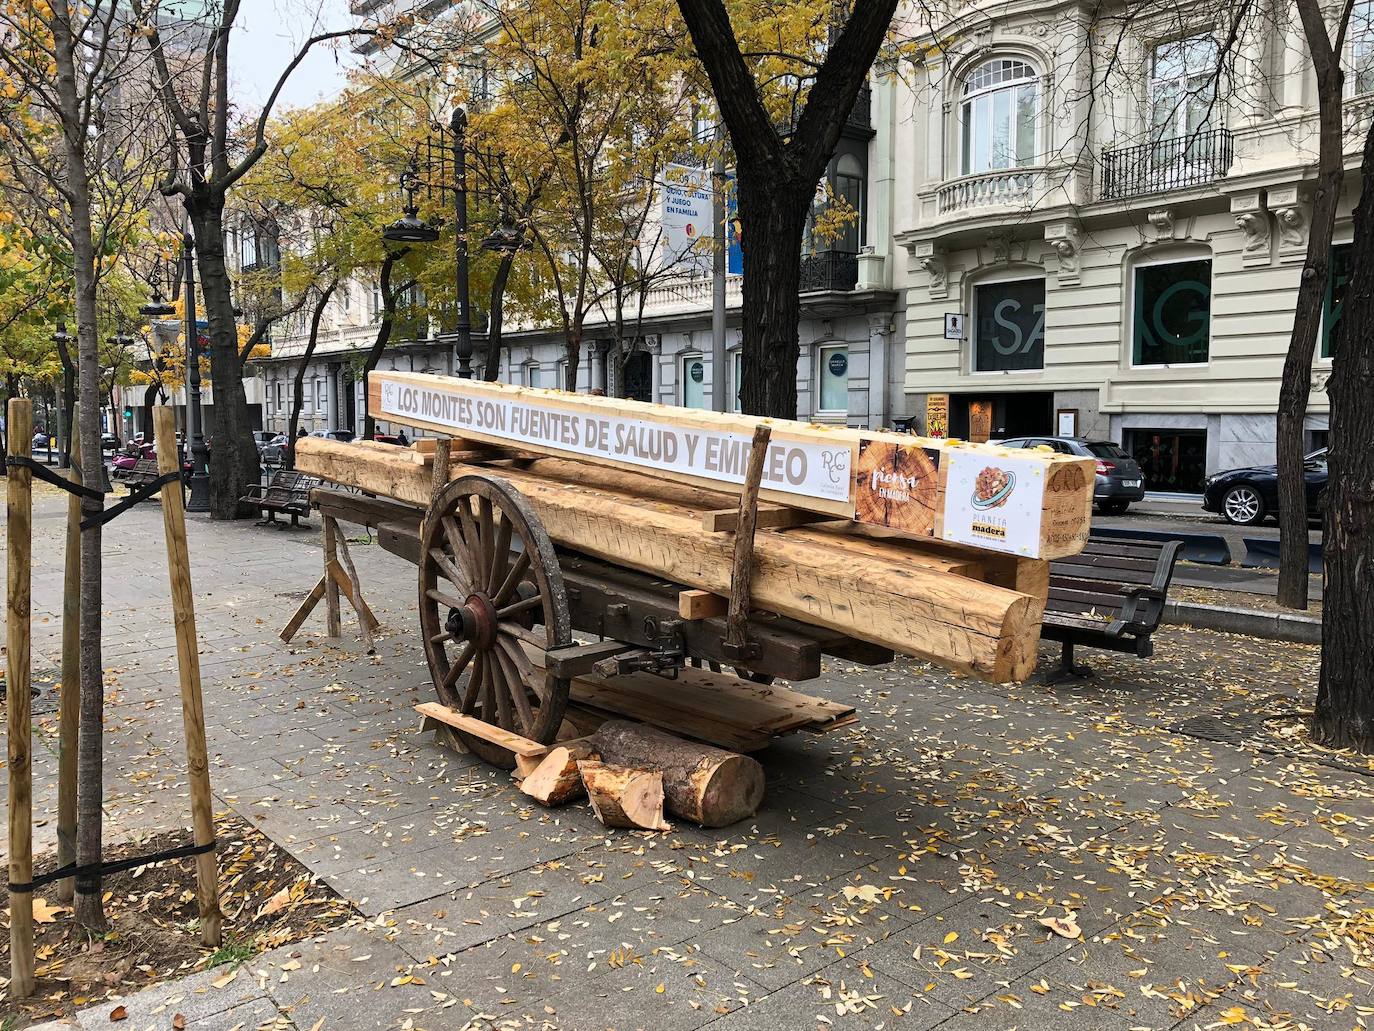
(686, 218)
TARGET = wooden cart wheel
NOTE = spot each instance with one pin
(489, 580)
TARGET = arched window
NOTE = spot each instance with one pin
(997, 116)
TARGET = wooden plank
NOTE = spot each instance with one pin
(726, 520)
(302, 613)
(188, 671)
(333, 622)
(18, 608)
(615, 703)
(696, 604)
(480, 728)
(476, 410)
(955, 621)
(742, 561)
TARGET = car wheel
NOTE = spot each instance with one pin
(1243, 505)
(1113, 508)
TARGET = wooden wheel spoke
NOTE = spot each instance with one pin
(486, 540)
(474, 683)
(488, 708)
(471, 539)
(501, 558)
(516, 573)
(444, 598)
(501, 690)
(524, 605)
(512, 652)
(459, 547)
(516, 684)
(459, 664)
(454, 574)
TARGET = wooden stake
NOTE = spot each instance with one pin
(69, 697)
(333, 622)
(188, 666)
(737, 618)
(441, 466)
(19, 510)
(306, 607)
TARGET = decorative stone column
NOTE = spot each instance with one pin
(879, 340)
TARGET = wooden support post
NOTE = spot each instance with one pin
(311, 600)
(441, 466)
(69, 696)
(19, 510)
(188, 666)
(742, 571)
(333, 620)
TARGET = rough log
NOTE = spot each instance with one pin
(706, 785)
(556, 780)
(622, 797)
(892, 601)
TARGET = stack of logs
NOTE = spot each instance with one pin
(631, 774)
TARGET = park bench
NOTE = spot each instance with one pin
(288, 492)
(144, 472)
(1111, 596)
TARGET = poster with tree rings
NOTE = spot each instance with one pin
(896, 485)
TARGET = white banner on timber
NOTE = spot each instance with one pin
(806, 470)
(993, 501)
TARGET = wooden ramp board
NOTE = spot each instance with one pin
(480, 728)
(717, 708)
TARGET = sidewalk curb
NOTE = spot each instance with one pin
(1272, 626)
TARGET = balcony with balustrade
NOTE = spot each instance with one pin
(1161, 166)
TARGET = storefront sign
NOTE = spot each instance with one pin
(792, 467)
(954, 325)
(993, 501)
(937, 415)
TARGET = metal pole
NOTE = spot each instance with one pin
(463, 351)
(199, 501)
(719, 356)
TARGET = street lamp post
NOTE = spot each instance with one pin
(61, 338)
(122, 342)
(463, 349)
(199, 500)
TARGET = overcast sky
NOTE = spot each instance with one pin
(268, 34)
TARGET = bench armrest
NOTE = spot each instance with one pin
(1143, 609)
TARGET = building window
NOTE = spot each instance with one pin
(832, 379)
(1173, 461)
(321, 395)
(280, 393)
(1183, 92)
(693, 381)
(1173, 313)
(534, 375)
(737, 377)
(1009, 326)
(849, 187)
(997, 116)
(1361, 34)
(1337, 276)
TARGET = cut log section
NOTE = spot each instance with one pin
(556, 780)
(706, 785)
(623, 797)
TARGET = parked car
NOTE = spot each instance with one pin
(1119, 480)
(40, 440)
(389, 438)
(1247, 496)
(109, 442)
(343, 436)
(262, 438)
(274, 450)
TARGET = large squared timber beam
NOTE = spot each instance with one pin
(892, 479)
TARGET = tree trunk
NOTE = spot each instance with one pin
(491, 368)
(1296, 382)
(90, 909)
(145, 418)
(383, 335)
(234, 461)
(572, 352)
(298, 382)
(771, 304)
(1344, 715)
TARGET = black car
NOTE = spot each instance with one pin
(1119, 480)
(1247, 496)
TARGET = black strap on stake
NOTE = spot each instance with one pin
(139, 494)
(88, 877)
(48, 476)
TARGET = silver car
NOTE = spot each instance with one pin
(1119, 480)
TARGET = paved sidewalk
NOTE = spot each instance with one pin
(899, 876)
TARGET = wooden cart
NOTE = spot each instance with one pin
(504, 598)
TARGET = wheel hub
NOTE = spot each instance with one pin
(476, 622)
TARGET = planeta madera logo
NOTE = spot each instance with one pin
(992, 488)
